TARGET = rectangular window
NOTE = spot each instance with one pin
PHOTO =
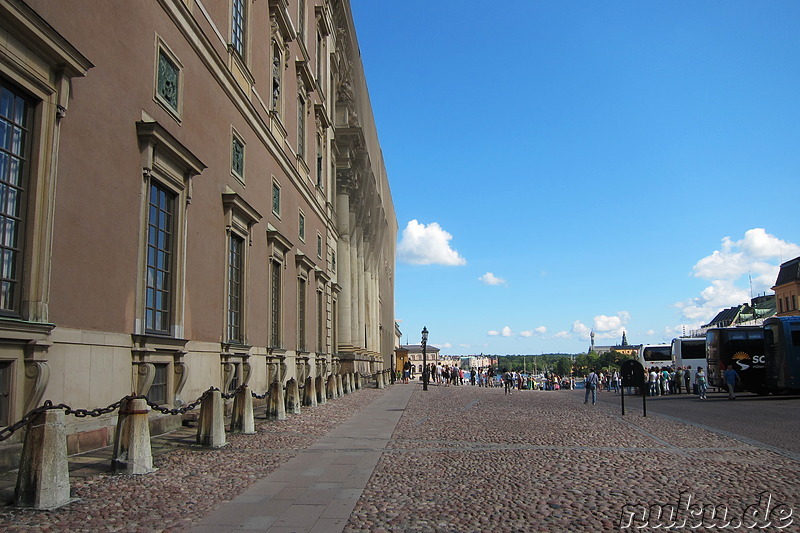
(319, 161)
(158, 390)
(237, 157)
(238, 25)
(15, 113)
(301, 224)
(319, 245)
(320, 56)
(780, 305)
(235, 270)
(160, 245)
(167, 84)
(275, 305)
(320, 322)
(333, 261)
(301, 126)
(301, 19)
(276, 199)
(301, 315)
(794, 301)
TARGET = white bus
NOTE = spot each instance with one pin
(689, 351)
(657, 355)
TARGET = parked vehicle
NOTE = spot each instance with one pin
(689, 351)
(655, 355)
(782, 351)
(742, 347)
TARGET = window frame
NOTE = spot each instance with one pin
(18, 219)
(301, 225)
(238, 28)
(236, 173)
(167, 269)
(240, 217)
(168, 163)
(161, 48)
(276, 188)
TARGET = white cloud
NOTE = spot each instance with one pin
(581, 330)
(650, 332)
(445, 345)
(506, 332)
(611, 327)
(755, 259)
(541, 330)
(563, 335)
(491, 279)
(463, 345)
(427, 245)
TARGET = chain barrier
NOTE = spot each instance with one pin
(8, 431)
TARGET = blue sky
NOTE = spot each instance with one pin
(563, 166)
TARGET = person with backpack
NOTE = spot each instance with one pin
(591, 383)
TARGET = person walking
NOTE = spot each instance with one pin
(591, 383)
(700, 381)
(687, 379)
(731, 378)
(406, 371)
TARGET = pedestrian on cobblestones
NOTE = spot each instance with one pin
(731, 378)
(591, 383)
(687, 379)
(678, 380)
(700, 381)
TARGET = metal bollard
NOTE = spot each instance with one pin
(43, 478)
(132, 451)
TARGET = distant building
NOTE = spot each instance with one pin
(746, 314)
(414, 354)
(624, 348)
(787, 288)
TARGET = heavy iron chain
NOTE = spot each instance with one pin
(8, 431)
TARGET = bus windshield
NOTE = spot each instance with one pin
(657, 353)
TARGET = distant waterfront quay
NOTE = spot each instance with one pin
(462, 458)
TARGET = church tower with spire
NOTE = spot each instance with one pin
(624, 339)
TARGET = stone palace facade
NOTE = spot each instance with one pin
(192, 194)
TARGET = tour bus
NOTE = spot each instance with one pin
(658, 355)
(782, 350)
(689, 351)
(742, 347)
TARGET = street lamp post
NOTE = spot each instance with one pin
(424, 358)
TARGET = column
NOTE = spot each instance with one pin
(344, 321)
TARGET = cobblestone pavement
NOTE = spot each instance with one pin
(467, 459)
(190, 482)
(474, 459)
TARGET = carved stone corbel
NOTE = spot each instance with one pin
(247, 370)
(181, 372)
(228, 372)
(146, 372)
(37, 376)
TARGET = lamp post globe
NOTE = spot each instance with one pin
(424, 358)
